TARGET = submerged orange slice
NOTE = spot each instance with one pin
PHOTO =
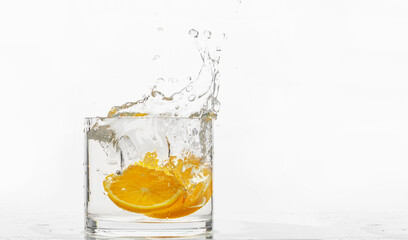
(196, 178)
(140, 189)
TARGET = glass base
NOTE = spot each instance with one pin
(113, 228)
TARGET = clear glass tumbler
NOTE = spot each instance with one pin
(148, 176)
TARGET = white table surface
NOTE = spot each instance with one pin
(234, 226)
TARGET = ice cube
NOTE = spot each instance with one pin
(129, 152)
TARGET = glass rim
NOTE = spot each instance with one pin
(146, 117)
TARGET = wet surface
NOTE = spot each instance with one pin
(252, 226)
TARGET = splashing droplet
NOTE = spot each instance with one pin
(193, 33)
(156, 57)
(207, 33)
(191, 98)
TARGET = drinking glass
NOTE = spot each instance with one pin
(166, 160)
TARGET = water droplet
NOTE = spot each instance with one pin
(189, 78)
(195, 132)
(207, 33)
(193, 33)
(159, 80)
(118, 172)
(175, 114)
(104, 193)
(189, 88)
(218, 49)
(177, 107)
(123, 189)
(154, 138)
(160, 29)
(217, 107)
(191, 98)
(239, 1)
(104, 173)
(98, 169)
(224, 36)
(156, 57)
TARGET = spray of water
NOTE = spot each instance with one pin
(197, 97)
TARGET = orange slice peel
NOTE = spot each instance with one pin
(172, 190)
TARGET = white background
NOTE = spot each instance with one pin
(314, 97)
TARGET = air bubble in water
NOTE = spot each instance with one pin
(191, 98)
(193, 33)
(207, 34)
(112, 161)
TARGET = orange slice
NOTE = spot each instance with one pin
(196, 178)
(140, 189)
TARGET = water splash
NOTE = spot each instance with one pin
(196, 98)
